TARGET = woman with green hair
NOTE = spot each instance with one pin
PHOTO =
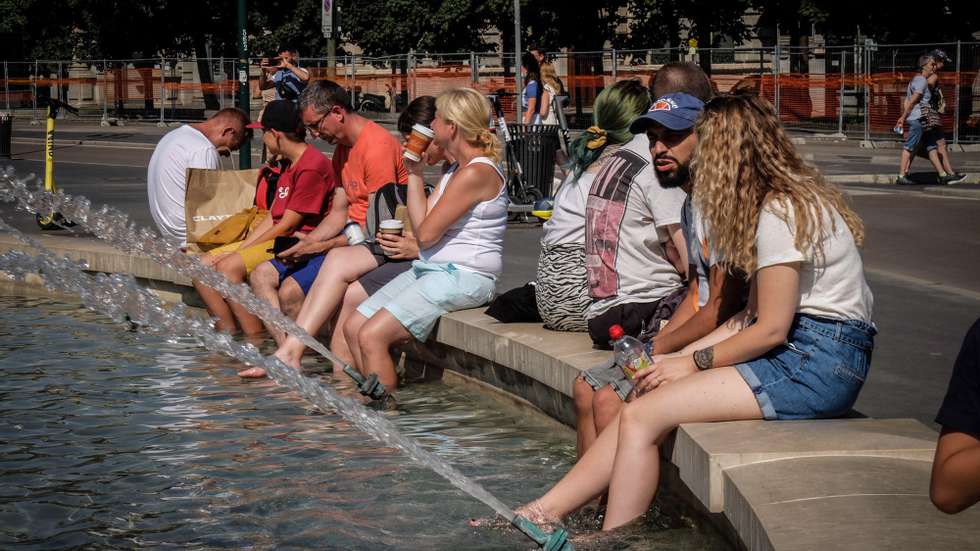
(561, 288)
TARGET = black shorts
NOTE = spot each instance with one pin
(631, 316)
(380, 276)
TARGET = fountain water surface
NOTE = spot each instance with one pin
(123, 300)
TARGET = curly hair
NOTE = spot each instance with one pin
(744, 161)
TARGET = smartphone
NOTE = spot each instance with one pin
(283, 243)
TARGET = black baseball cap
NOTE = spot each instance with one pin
(281, 115)
(940, 55)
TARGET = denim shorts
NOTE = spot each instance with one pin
(916, 135)
(420, 296)
(817, 373)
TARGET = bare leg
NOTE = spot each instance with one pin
(217, 307)
(264, 281)
(233, 268)
(376, 338)
(291, 297)
(584, 419)
(606, 405)
(713, 395)
(342, 266)
(944, 156)
(934, 159)
(351, 330)
(354, 296)
(906, 162)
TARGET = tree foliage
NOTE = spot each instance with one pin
(31, 29)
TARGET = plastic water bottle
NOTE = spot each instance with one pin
(631, 356)
(898, 130)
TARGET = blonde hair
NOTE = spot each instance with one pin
(743, 161)
(550, 77)
(470, 111)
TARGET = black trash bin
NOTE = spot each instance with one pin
(6, 129)
(534, 146)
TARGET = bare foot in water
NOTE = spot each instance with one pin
(288, 359)
(258, 372)
(252, 373)
(532, 512)
(535, 513)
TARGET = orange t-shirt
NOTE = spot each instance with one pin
(374, 161)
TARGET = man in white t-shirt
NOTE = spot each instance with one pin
(190, 146)
(635, 251)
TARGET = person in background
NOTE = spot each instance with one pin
(936, 133)
(917, 96)
(531, 95)
(540, 54)
(955, 482)
(562, 285)
(196, 145)
(284, 75)
(801, 349)
(460, 232)
(552, 87)
(303, 193)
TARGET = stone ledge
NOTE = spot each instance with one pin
(551, 357)
(704, 451)
(842, 503)
(100, 257)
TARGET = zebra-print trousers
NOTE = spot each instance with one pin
(562, 288)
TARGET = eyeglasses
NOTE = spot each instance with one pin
(315, 127)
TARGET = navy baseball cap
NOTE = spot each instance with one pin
(674, 111)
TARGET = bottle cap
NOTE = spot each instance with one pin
(616, 332)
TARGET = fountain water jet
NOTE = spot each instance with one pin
(121, 299)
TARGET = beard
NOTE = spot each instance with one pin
(675, 178)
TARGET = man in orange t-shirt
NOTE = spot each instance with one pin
(367, 157)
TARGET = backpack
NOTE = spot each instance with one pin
(384, 207)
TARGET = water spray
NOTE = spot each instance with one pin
(114, 227)
(121, 299)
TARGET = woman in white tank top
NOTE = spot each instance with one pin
(460, 231)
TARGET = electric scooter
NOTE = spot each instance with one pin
(54, 220)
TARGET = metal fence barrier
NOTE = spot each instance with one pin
(855, 91)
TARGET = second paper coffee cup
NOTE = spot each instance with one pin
(391, 227)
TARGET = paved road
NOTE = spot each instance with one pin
(921, 260)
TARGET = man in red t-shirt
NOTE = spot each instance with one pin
(367, 157)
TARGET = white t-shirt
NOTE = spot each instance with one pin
(567, 222)
(832, 285)
(166, 178)
(627, 214)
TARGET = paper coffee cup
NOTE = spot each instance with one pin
(395, 227)
(418, 142)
